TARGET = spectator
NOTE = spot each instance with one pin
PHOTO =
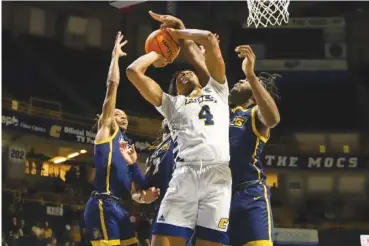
(67, 236)
(52, 242)
(47, 232)
(13, 228)
(76, 232)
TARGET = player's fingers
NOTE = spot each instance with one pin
(248, 54)
(124, 43)
(117, 36)
(241, 47)
(133, 148)
(241, 54)
(156, 16)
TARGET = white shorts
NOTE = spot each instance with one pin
(198, 198)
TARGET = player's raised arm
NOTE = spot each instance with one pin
(213, 56)
(190, 49)
(267, 110)
(148, 88)
(108, 108)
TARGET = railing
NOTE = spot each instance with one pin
(138, 125)
(28, 108)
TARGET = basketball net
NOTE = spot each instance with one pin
(267, 13)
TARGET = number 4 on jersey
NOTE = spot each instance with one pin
(206, 115)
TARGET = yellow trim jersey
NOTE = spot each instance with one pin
(246, 145)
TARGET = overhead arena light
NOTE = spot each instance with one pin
(73, 155)
(59, 160)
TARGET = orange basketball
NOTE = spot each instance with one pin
(161, 42)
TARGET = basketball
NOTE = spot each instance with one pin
(161, 42)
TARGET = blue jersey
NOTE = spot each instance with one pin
(160, 166)
(112, 176)
(246, 145)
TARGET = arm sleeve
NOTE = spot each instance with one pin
(137, 176)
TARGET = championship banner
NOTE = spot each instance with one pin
(315, 162)
(55, 129)
(302, 237)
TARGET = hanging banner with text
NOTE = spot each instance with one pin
(315, 162)
(12, 120)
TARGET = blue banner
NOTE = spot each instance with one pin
(12, 120)
(315, 162)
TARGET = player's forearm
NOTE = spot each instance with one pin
(266, 104)
(111, 90)
(202, 37)
(148, 88)
(195, 57)
(142, 63)
(137, 176)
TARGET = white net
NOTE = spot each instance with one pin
(267, 13)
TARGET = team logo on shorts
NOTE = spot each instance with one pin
(96, 234)
(223, 223)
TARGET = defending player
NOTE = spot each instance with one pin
(107, 222)
(199, 193)
(253, 115)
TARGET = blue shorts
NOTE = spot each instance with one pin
(251, 216)
(108, 223)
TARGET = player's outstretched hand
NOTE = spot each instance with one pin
(128, 154)
(117, 51)
(248, 64)
(150, 195)
(167, 20)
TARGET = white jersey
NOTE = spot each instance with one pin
(199, 125)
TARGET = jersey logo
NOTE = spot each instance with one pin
(223, 223)
(238, 122)
(96, 234)
(257, 197)
(200, 99)
(161, 218)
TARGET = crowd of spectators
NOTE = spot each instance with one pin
(26, 222)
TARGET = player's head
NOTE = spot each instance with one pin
(183, 83)
(121, 119)
(241, 93)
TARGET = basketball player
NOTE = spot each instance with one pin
(107, 222)
(253, 114)
(199, 193)
(252, 117)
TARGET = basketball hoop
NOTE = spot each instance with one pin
(267, 13)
